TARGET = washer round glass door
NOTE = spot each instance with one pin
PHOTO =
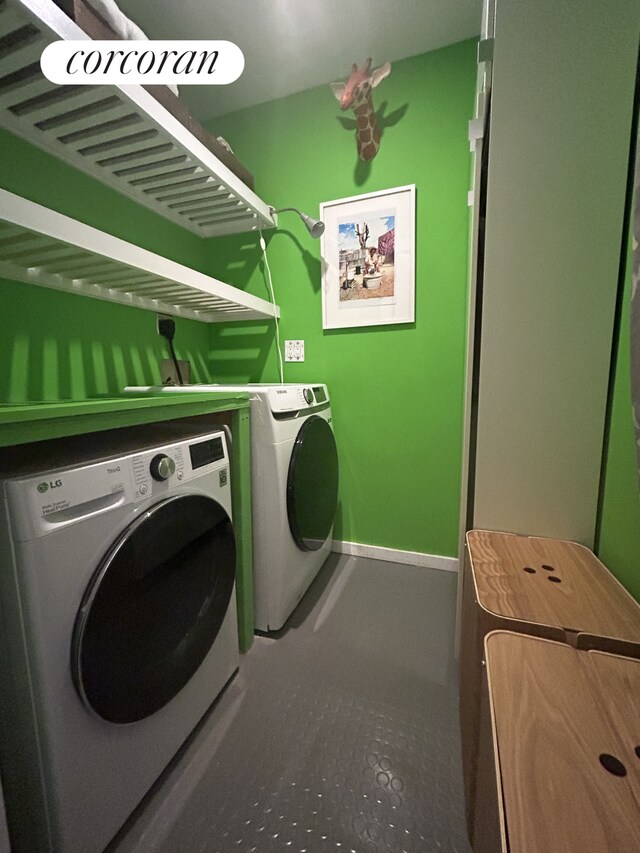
(312, 484)
(154, 608)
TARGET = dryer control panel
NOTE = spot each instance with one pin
(293, 398)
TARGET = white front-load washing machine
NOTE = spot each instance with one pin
(294, 474)
(119, 630)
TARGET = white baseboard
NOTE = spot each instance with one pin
(392, 555)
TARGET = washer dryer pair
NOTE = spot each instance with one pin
(294, 473)
(119, 628)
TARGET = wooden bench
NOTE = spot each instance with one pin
(548, 588)
(560, 770)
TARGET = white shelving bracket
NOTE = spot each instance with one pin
(485, 50)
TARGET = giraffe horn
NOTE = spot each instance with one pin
(367, 66)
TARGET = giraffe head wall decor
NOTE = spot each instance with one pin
(355, 94)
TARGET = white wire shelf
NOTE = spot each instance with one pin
(40, 246)
(120, 135)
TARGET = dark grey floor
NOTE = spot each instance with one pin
(341, 734)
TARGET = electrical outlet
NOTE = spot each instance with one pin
(169, 374)
(294, 350)
(160, 318)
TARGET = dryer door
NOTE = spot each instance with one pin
(154, 608)
(312, 484)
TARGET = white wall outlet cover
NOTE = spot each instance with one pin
(294, 350)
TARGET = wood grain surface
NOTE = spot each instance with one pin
(477, 622)
(555, 710)
(551, 582)
(471, 653)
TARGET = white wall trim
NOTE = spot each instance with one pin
(393, 555)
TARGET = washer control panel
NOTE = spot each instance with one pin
(44, 501)
(156, 469)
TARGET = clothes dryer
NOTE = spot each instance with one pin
(119, 631)
(294, 474)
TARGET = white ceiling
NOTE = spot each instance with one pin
(292, 45)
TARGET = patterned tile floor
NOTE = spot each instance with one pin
(339, 735)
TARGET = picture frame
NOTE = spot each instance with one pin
(368, 259)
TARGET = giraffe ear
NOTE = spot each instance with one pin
(380, 73)
(338, 89)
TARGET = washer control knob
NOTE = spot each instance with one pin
(308, 395)
(162, 467)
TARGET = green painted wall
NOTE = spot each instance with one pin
(620, 523)
(61, 346)
(397, 391)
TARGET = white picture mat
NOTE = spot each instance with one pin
(400, 308)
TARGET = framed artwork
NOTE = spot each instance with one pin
(368, 259)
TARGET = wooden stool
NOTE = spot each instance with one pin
(563, 769)
(546, 587)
